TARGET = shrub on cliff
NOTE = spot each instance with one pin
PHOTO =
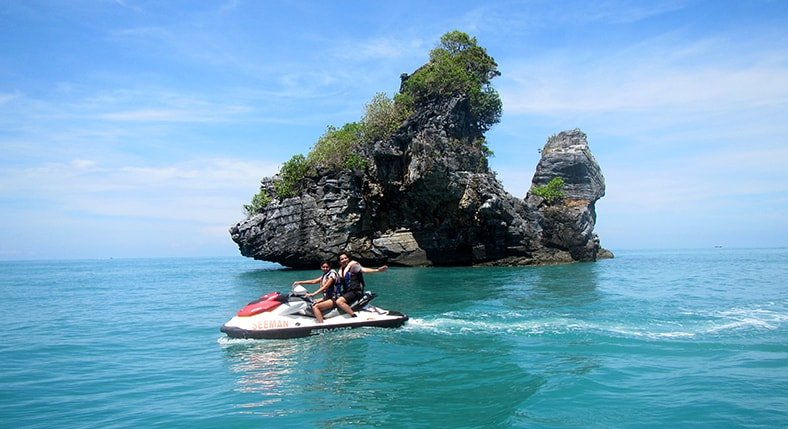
(382, 116)
(458, 66)
(259, 201)
(552, 192)
(292, 171)
(336, 148)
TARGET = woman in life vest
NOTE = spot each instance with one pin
(329, 285)
(351, 275)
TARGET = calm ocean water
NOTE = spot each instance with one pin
(686, 338)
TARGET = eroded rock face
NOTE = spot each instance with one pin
(429, 198)
(569, 226)
(567, 155)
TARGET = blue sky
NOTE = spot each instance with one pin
(140, 128)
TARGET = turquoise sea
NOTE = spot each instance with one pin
(678, 339)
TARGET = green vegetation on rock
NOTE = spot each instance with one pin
(382, 116)
(290, 174)
(334, 148)
(259, 201)
(552, 192)
(458, 66)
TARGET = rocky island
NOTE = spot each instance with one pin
(410, 185)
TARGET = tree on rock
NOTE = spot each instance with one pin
(458, 66)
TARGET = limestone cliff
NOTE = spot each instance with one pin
(569, 226)
(427, 197)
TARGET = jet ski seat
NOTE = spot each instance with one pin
(364, 300)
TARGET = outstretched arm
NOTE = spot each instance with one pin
(307, 282)
(380, 269)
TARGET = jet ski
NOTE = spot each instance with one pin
(275, 316)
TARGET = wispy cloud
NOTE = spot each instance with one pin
(521, 16)
(174, 115)
(126, 5)
(660, 80)
(363, 50)
(208, 191)
(137, 104)
(618, 11)
(5, 98)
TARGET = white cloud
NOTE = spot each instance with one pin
(151, 104)
(558, 85)
(83, 164)
(97, 209)
(126, 5)
(174, 115)
(501, 18)
(210, 191)
(6, 98)
(613, 11)
(379, 48)
(719, 180)
(131, 104)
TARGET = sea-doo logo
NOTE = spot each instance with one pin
(271, 323)
(326, 330)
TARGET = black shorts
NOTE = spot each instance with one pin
(353, 295)
(327, 298)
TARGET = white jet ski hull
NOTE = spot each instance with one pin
(276, 316)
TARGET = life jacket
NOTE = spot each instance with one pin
(335, 289)
(353, 281)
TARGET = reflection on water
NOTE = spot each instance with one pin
(273, 374)
(263, 370)
(379, 377)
